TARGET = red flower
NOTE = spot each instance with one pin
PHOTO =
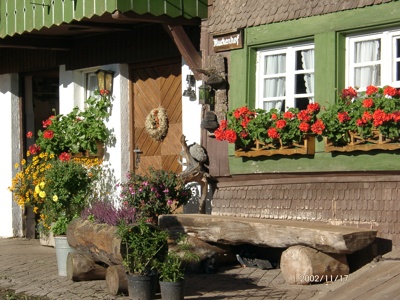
(318, 127)
(349, 93)
(48, 122)
(368, 103)
(34, 149)
(343, 117)
(273, 133)
(223, 124)
(304, 127)
(367, 116)
(360, 122)
(396, 116)
(390, 91)
(380, 117)
(230, 136)
(65, 156)
(288, 115)
(29, 134)
(304, 116)
(313, 108)
(219, 134)
(371, 90)
(103, 92)
(242, 112)
(280, 124)
(244, 134)
(48, 134)
(274, 117)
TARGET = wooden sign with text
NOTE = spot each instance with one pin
(228, 41)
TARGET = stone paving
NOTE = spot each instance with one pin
(26, 267)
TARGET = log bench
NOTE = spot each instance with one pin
(316, 251)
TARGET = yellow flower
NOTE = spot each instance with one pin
(28, 153)
(35, 209)
(37, 189)
(42, 194)
(42, 184)
(55, 198)
(23, 162)
(16, 165)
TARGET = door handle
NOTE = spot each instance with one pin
(137, 152)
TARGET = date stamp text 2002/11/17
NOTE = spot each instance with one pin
(323, 278)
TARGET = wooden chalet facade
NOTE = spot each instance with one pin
(49, 53)
(359, 189)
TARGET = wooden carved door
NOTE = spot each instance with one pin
(156, 85)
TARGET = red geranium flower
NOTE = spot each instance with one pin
(103, 92)
(273, 133)
(390, 91)
(360, 122)
(34, 149)
(371, 90)
(396, 116)
(289, 115)
(230, 136)
(29, 134)
(349, 93)
(367, 116)
(368, 103)
(48, 134)
(274, 117)
(318, 127)
(65, 156)
(280, 124)
(304, 127)
(343, 117)
(304, 116)
(313, 108)
(380, 117)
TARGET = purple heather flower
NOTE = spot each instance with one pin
(169, 202)
(145, 183)
(166, 191)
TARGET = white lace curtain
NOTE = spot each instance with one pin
(367, 51)
(307, 57)
(275, 86)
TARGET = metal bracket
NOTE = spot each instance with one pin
(137, 152)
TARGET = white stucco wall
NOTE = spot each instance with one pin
(10, 213)
(191, 111)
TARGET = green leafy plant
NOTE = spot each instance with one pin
(143, 246)
(65, 192)
(155, 193)
(363, 113)
(172, 269)
(79, 130)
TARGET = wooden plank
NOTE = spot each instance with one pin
(270, 233)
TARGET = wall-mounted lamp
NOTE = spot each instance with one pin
(204, 94)
(190, 84)
(105, 80)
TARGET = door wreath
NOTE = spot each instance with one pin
(157, 124)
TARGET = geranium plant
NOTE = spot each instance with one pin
(155, 193)
(376, 109)
(243, 126)
(79, 130)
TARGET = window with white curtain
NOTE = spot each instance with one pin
(373, 59)
(91, 84)
(285, 77)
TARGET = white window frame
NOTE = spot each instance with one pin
(387, 60)
(289, 74)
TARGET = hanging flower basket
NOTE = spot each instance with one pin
(157, 124)
(306, 147)
(357, 143)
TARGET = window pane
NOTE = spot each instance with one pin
(301, 103)
(300, 84)
(397, 71)
(304, 59)
(274, 87)
(278, 104)
(275, 64)
(365, 76)
(367, 51)
(397, 47)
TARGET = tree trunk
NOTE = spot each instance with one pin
(303, 265)
(100, 242)
(82, 268)
(116, 280)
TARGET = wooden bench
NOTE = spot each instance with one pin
(316, 251)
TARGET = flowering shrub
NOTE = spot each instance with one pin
(158, 192)
(105, 212)
(78, 130)
(375, 109)
(244, 126)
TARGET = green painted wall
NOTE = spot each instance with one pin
(328, 33)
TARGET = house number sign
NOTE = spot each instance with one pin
(229, 41)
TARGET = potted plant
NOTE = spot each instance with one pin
(143, 246)
(259, 132)
(155, 193)
(363, 121)
(173, 268)
(78, 131)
